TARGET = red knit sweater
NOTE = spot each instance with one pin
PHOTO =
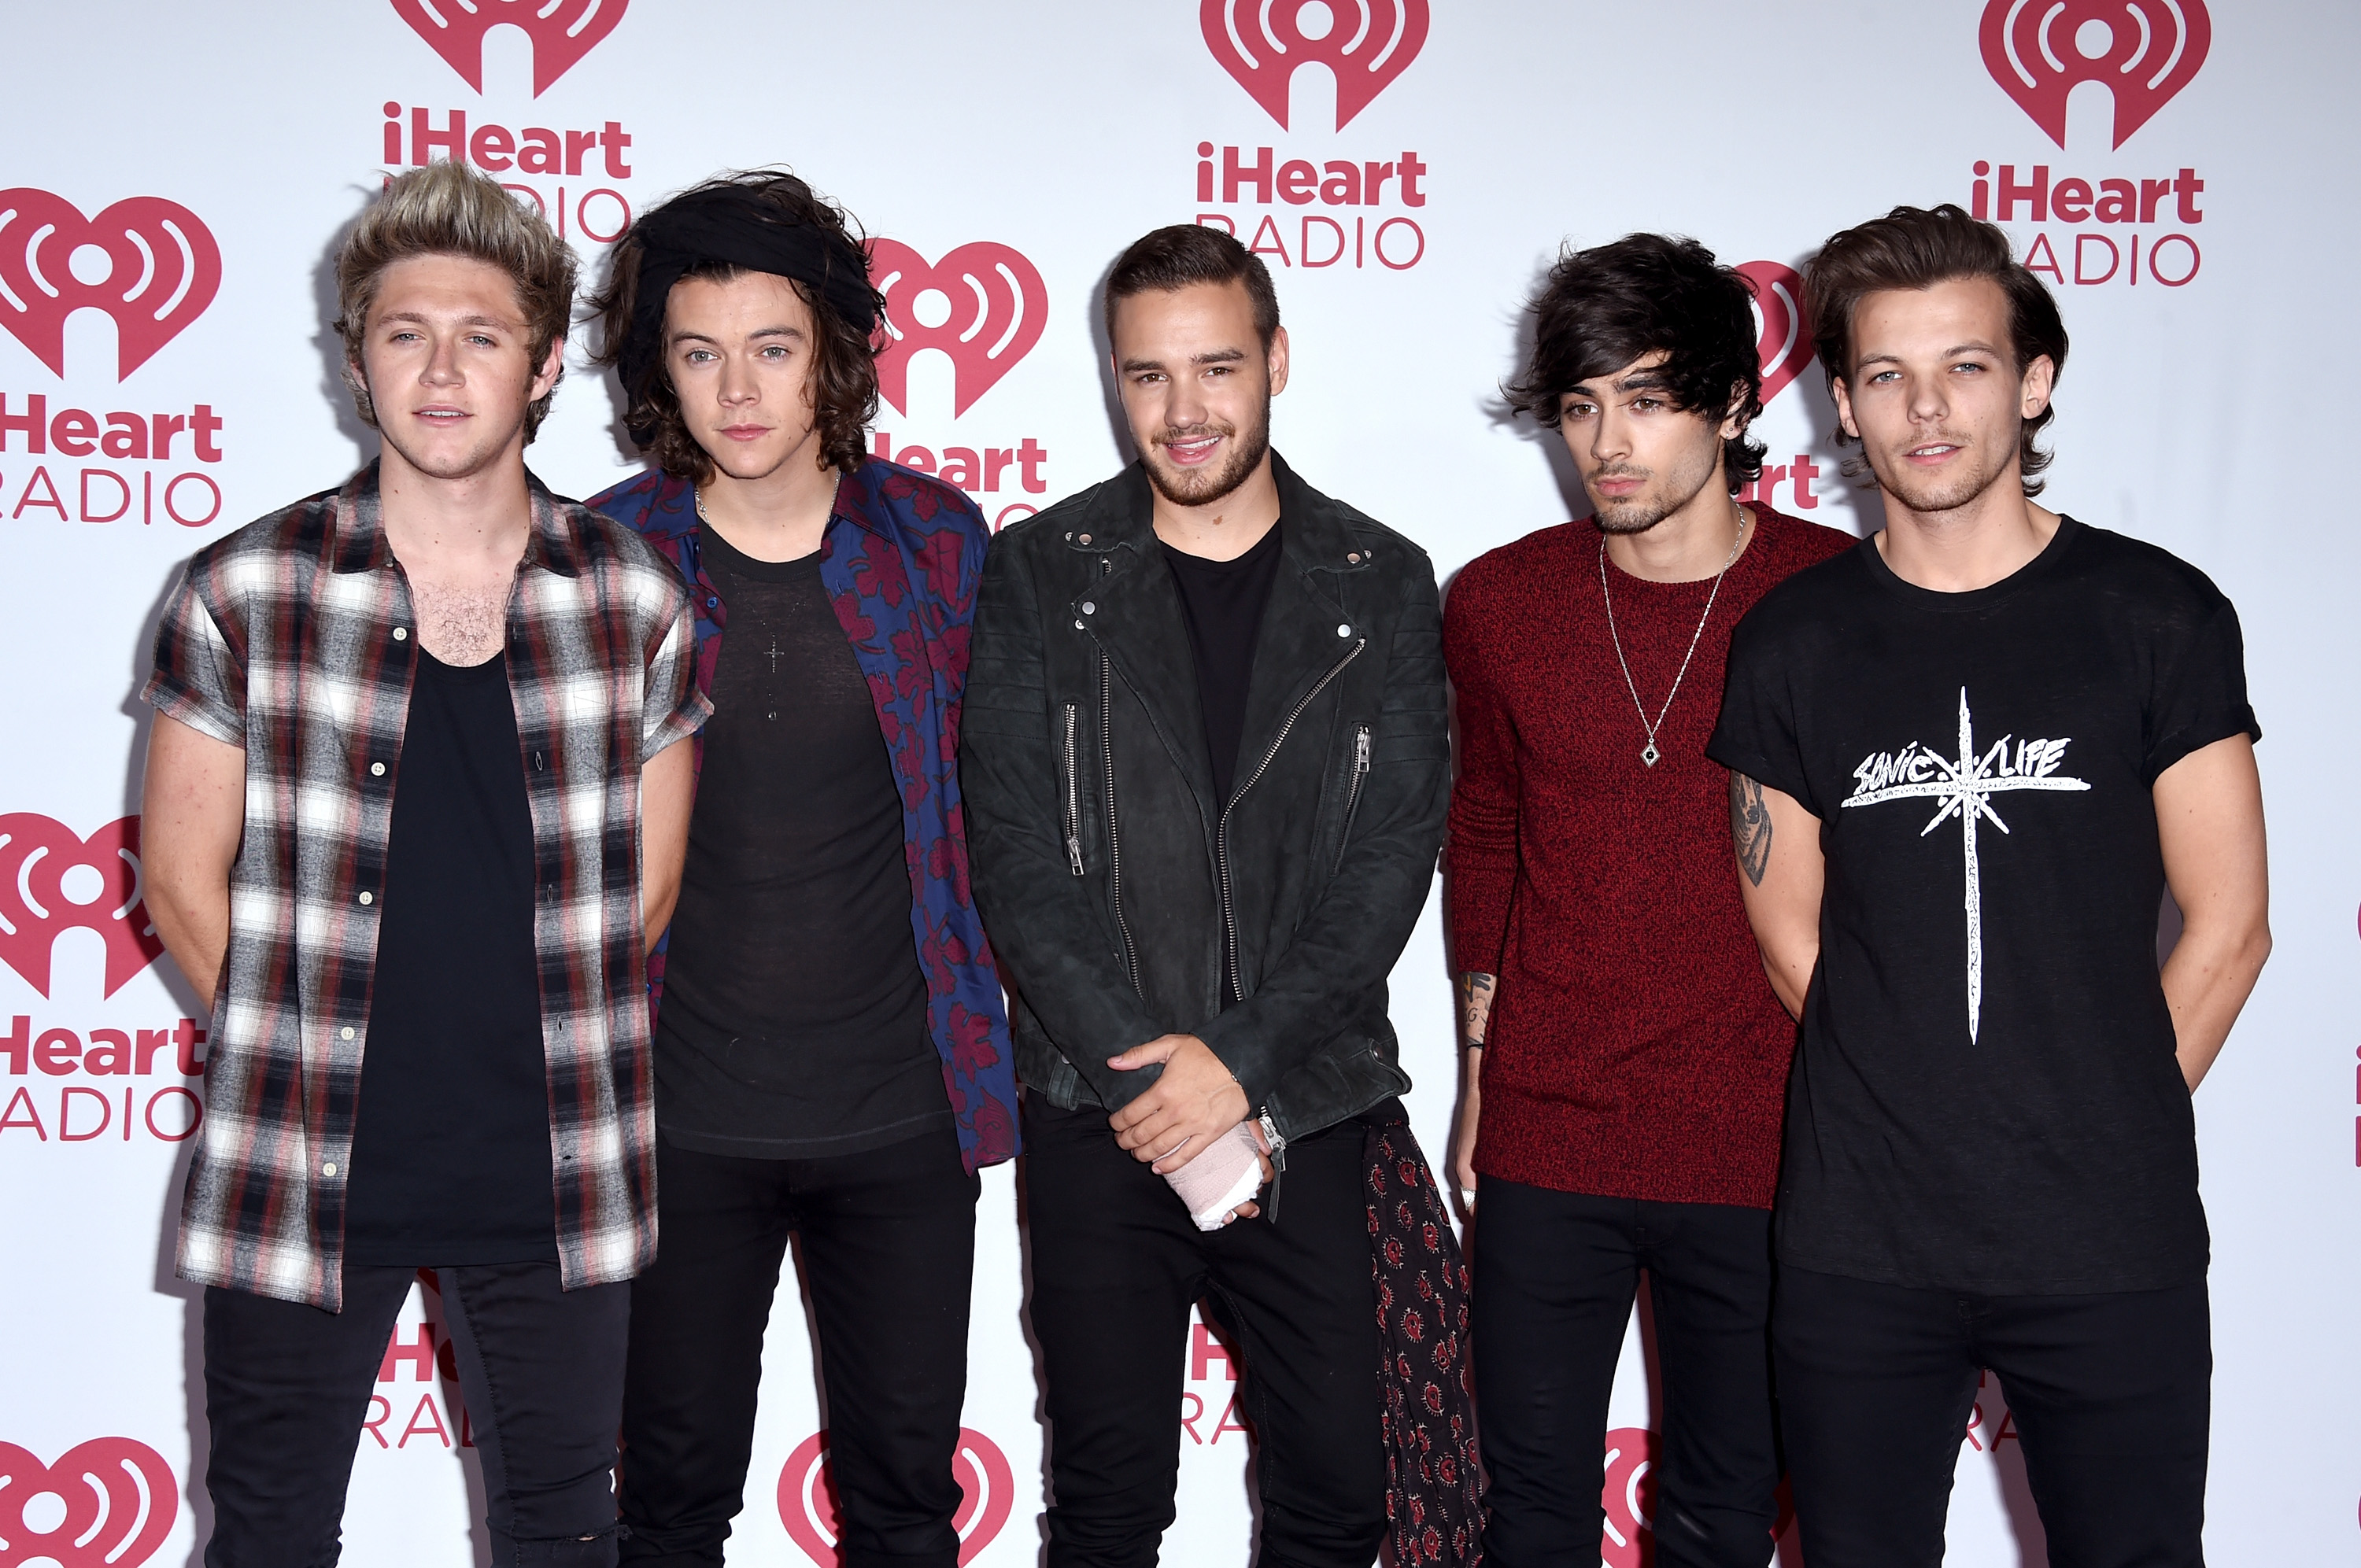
(1635, 1050)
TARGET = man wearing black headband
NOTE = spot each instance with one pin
(832, 1049)
(1207, 768)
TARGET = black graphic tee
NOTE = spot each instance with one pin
(1984, 1097)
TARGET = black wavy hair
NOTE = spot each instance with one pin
(1650, 293)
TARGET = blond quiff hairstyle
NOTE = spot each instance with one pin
(449, 209)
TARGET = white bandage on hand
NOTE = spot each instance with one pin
(1228, 1172)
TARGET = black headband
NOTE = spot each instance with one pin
(725, 225)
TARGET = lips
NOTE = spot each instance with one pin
(442, 415)
(743, 432)
(1193, 451)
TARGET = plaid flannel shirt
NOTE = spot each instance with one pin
(292, 638)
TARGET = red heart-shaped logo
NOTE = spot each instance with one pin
(1364, 44)
(2143, 50)
(808, 1496)
(998, 306)
(111, 1499)
(36, 905)
(562, 31)
(1785, 343)
(160, 270)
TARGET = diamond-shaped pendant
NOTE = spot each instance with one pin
(1650, 754)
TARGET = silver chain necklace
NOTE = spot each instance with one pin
(1648, 754)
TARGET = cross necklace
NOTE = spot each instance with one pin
(1648, 753)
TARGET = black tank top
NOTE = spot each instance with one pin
(451, 1154)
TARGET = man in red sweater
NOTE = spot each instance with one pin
(1626, 1057)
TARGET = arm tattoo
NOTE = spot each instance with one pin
(1474, 1004)
(1750, 827)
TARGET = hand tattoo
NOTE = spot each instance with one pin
(1474, 1004)
(1750, 827)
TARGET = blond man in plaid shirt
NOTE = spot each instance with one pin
(415, 810)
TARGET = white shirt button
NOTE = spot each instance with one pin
(368, 898)
(377, 770)
(1088, 609)
(1354, 558)
(1078, 625)
(400, 633)
(1086, 539)
(329, 1169)
(1344, 632)
(347, 1031)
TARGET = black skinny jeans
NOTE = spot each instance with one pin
(1555, 1277)
(889, 1250)
(1117, 1264)
(287, 1388)
(2113, 1395)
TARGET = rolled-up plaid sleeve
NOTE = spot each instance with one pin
(198, 678)
(674, 708)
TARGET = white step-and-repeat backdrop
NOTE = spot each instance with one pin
(172, 181)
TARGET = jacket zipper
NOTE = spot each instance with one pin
(1352, 793)
(1222, 831)
(1074, 794)
(1115, 842)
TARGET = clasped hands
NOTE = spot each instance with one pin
(1192, 1103)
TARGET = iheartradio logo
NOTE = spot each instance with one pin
(148, 263)
(1628, 1497)
(107, 1503)
(2144, 50)
(1784, 347)
(807, 1500)
(983, 305)
(52, 881)
(1364, 44)
(562, 31)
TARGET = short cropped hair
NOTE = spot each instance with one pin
(448, 209)
(843, 362)
(1182, 255)
(1917, 247)
(1650, 293)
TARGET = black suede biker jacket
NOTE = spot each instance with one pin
(1117, 891)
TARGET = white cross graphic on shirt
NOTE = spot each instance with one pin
(1965, 787)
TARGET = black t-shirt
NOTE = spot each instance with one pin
(793, 1020)
(1985, 1096)
(1222, 602)
(451, 1152)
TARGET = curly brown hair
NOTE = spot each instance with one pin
(1915, 249)
(844, 363)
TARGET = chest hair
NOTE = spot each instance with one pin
(462, 621)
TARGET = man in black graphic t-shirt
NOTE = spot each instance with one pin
(1967, 758)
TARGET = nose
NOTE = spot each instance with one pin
(443, 364)
(1928, 399)
(739, 386)
(1610, 436)
(1186, 405)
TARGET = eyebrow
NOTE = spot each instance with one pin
(423, 320)
(1951, 353)
(685, 335)
(1217, 357)
(1638, 381)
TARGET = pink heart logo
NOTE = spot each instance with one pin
(1785, 346)
(562, 31)
(114, 1499)
(161, 267)
(808, 1496)
(2143, 50)
(1364, 43)
(998, 306)
(35, 905)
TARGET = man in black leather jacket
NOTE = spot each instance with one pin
(1205, 768)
